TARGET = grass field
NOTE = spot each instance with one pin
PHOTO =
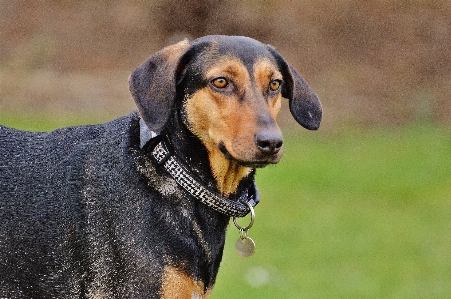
(354, 214)
(357, 214)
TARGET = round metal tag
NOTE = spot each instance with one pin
(245, 247)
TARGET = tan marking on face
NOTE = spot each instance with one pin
(231, 69)
(177, 284)
(264, 72)
(229, 116)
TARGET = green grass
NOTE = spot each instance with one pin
(350, 215)
(353, 214)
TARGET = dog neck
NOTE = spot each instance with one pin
(208, 163)
(228, 174)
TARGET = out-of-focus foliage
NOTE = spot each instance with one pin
(371, 62)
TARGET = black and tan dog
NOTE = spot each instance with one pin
(138, 207)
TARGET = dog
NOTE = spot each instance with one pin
(138, 207)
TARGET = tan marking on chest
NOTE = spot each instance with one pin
(177, 284)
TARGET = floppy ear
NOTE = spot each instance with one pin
(153, 85)
(304, 104)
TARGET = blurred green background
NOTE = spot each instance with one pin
(359, 209)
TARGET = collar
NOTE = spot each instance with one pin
(236, 207)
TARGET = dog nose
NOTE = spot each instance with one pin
(269, 142)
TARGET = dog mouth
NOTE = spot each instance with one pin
(254, 163)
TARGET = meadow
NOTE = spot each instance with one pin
(355, 213)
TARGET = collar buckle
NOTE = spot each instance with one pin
(160, 153)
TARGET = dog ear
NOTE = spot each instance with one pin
(304, 104)
(153, 85)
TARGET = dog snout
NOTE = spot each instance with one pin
(269, 142)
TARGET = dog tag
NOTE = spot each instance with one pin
(245, 246)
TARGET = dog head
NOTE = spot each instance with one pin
(232, 89)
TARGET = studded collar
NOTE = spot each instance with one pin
(232, 207)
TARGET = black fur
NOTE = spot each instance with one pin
(84, 210)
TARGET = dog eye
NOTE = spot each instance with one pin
(220, 82)
(274, 85)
